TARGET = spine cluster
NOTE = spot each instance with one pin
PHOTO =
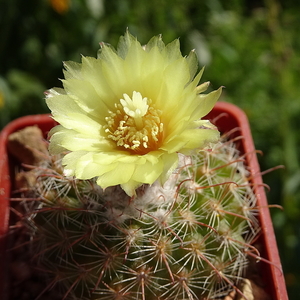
(185, 240)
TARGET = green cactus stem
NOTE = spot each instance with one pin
(185, 240)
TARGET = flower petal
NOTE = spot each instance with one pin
(83, 165)
(170, 164)
(72, 70)
(206, 103)
(66, 112)
(87, 98)
(147, 173)
(192, 139)
(116, 176)
(74, 141)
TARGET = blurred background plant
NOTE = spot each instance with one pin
(250, 47)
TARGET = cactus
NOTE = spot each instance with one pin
(187, 239)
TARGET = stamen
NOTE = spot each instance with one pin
(135, 125)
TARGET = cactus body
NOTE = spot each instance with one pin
(186, 240)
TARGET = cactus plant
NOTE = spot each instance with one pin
(137, 198)
(186, 239)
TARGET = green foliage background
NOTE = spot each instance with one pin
(250, 47)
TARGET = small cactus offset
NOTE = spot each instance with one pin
(186, 239)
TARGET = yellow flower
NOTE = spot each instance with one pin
(125, 115)
(60, 6)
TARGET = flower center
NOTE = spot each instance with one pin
(135, 125)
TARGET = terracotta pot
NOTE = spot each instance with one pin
(45, 123)
(227, 117)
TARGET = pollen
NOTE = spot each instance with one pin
(135, 124)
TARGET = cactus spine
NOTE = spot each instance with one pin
(186, 240)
